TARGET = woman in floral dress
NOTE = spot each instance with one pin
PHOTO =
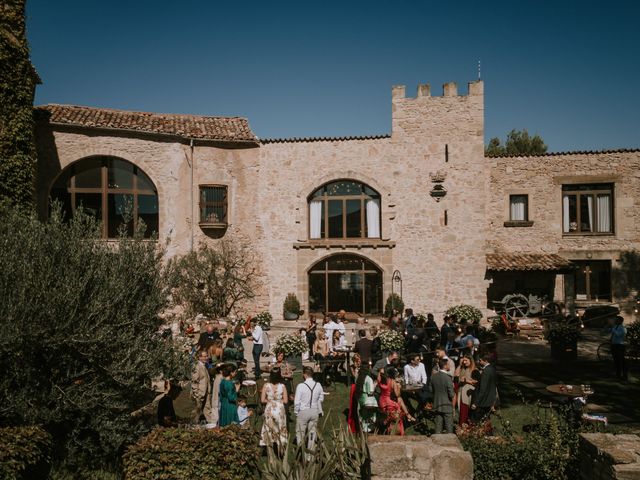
(274, 428)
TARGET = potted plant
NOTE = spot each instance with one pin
(291, 307)
(292, 345)
(394, 302)
(563, 338)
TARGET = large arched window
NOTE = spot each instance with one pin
(347, 282)
(114, 191)
(344, 209)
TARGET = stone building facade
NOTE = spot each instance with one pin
(333, 219)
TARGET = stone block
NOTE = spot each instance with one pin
(629, 471)
(424, 458)
(453, 465)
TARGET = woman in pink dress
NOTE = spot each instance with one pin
(394, 411)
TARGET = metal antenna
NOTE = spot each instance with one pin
(478, 69)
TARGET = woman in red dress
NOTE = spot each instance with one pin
(394, 411)
(352, 417)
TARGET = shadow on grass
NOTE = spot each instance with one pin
(617, 396)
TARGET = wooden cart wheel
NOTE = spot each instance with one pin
(516, 306)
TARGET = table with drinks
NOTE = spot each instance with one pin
(570, 391)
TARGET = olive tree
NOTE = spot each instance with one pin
(216, 279)
(78, 334)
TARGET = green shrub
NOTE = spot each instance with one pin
(291, 304)
(633, 336)
(465, 312)
(25, 453)
(497, 326)
(563, 333)
(548, 452)
(228, 453)
(78, 334)
(18, 80)
(393, 302)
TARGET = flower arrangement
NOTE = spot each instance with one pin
(465, 312)
(264, 320)
(290, 345)
(391, 341)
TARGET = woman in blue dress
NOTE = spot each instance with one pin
(228, 397)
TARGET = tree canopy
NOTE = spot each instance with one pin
(18, 79)
(79, 342)
(518, 142)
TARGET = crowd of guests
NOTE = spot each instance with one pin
(220, 372)
(444, 375)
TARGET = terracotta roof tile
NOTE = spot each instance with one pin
(573, 152)
(322, 139)
(227, 129)
(526, 261)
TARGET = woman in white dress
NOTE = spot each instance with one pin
(274, 428)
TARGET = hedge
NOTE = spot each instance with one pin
(25, 453)
(228, 453)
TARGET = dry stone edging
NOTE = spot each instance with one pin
(438, 457)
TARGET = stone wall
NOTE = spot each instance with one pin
(541, 178)
(438, 246)
(430, 134)
(604, 456)
(438, 457)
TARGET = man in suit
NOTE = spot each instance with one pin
(363, 346)
(445, 331)
(200, 383)
(209, 336)
(485, 395)
(442, 390)
(383, 363)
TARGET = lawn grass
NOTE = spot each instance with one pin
(519, 405)
(617, 396)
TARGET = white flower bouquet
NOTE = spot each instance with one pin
(391, 341)
(264, 320)
(290, 345)
(465, 312)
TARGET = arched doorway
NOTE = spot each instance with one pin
(116, 192)
(345, 281)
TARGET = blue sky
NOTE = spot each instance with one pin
(568, 70)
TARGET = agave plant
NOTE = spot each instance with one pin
(297, 462)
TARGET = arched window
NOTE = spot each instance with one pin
(115, 191)
(344, 209)
(345, 281)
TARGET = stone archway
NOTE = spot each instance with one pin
(345, 281)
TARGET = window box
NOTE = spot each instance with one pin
(518, 223)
